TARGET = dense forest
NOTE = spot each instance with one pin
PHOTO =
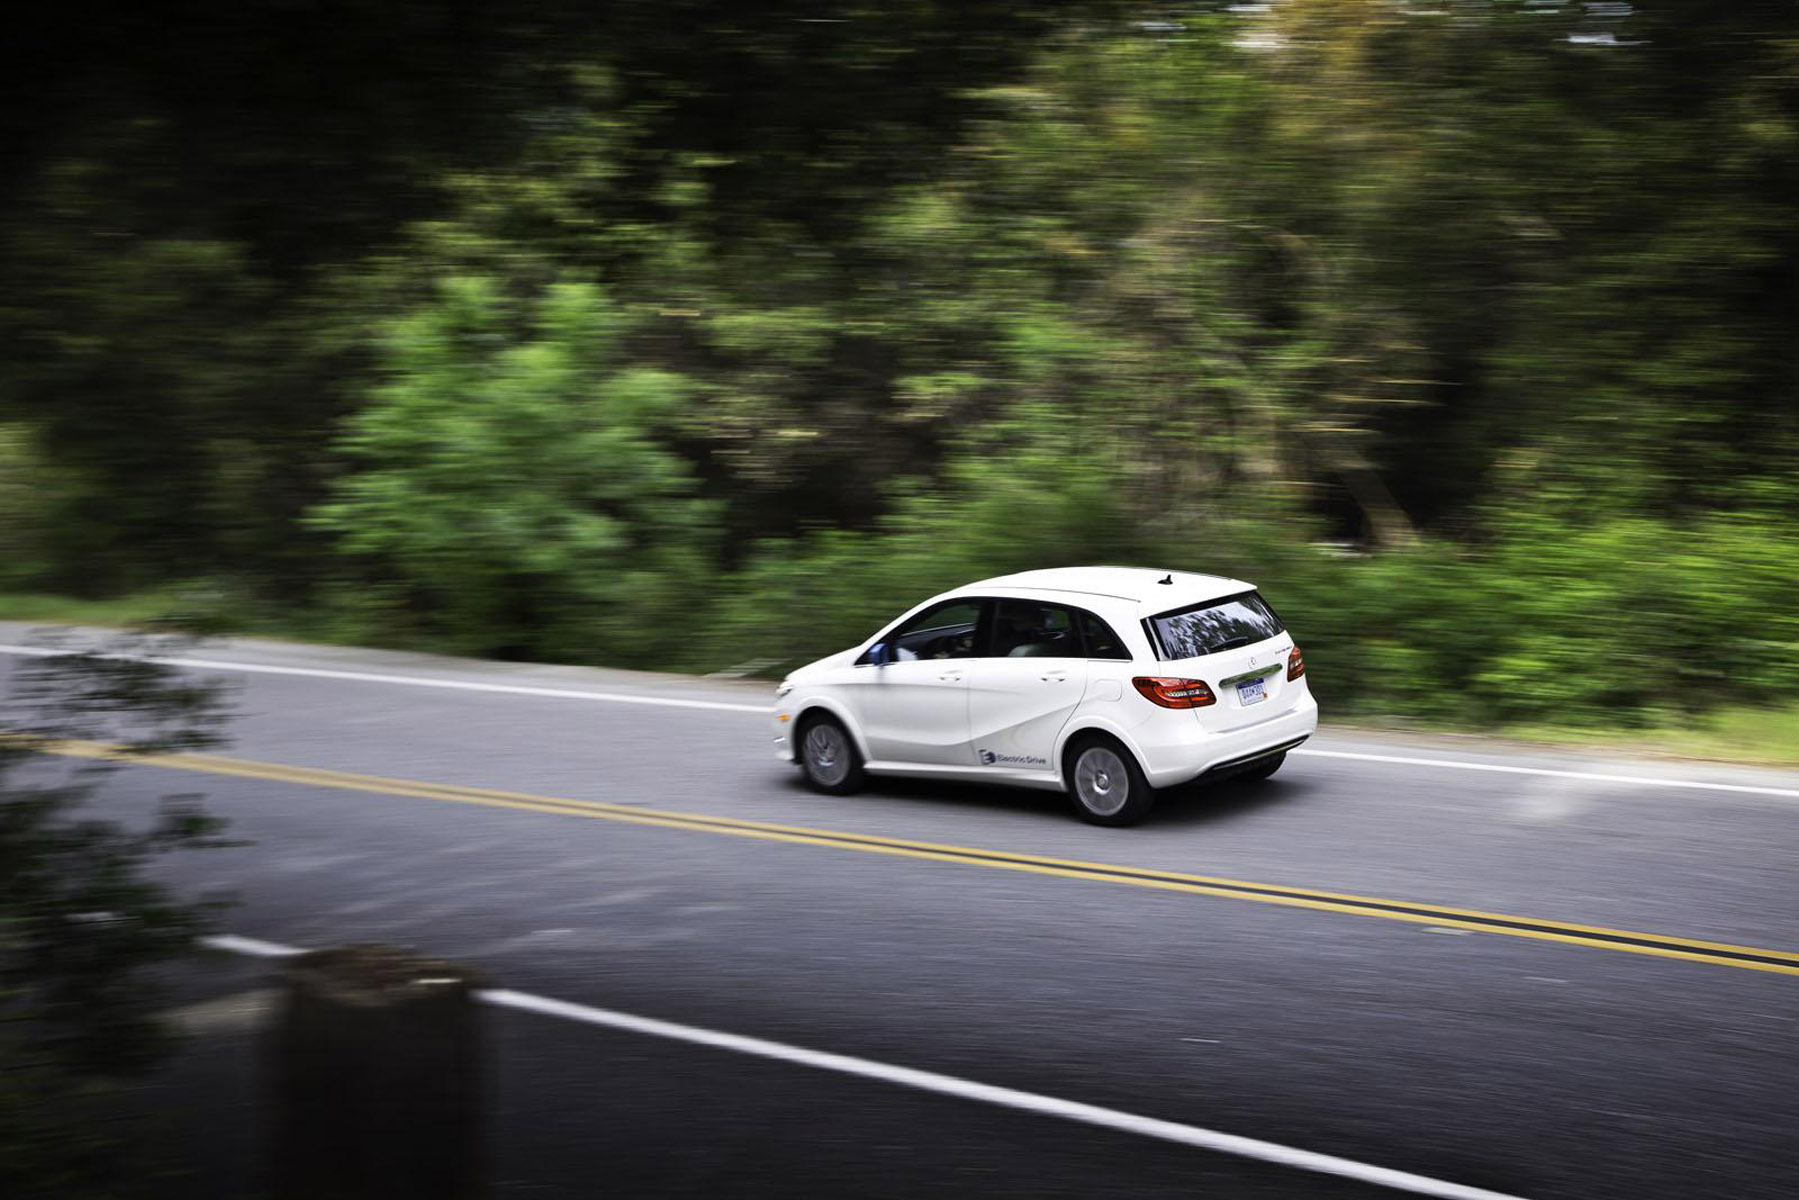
(692, 333)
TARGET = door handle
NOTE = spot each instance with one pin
(1055, 677)
(950, 676)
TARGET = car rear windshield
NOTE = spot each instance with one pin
(1215, 625)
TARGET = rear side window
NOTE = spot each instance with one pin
(1215, 625)
(1101, 641)
(1027, 629)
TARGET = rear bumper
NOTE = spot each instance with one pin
(1236, 765)
(1222, 753)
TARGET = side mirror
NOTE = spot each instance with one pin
(880, 654)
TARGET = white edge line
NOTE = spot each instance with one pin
(231, 943)
(1004, 1097)
(945, 1085)
(765, 710)
(208, 664)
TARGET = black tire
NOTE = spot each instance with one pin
(1264, 768)
(827, 755)
(1096, 768)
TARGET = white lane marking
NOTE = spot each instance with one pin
(231, 943)
(1456, 764)
(945, 1085)
(968, 1089)
(463, 685)
(764, 710)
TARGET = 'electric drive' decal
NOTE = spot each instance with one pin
(990, 759)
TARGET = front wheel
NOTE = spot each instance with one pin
(828, 756)
(1107, 785)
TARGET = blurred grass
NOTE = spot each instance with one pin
(206, 610)
(121, 612)
(1767, 736)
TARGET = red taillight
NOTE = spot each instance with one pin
(1296, 663)
(1174, 693)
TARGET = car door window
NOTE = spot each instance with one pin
(947, 631)
(1030, 629)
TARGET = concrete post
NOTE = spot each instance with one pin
(374, 1057)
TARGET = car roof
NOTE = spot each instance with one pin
(1142, 585)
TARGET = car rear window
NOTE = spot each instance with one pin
(1215, 625)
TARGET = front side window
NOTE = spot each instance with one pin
(945, 631)
(1029, 629)
(1215, 625)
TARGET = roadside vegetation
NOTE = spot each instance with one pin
(84, 927)
(644, 337)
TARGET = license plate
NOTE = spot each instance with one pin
(1251, 691)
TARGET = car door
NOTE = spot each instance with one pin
(914, 707)
(1024, 689)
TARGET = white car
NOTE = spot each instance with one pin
(1106, 682)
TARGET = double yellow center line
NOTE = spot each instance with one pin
(1720, 953)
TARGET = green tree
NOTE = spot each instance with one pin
(513, 476)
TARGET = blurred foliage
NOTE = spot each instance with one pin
(1624, 622)
(692, 335)
(26, 488)
(513, 479)
(81, 925)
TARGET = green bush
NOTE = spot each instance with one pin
(1627, 621)
(511, 492)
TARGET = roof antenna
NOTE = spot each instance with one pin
(1169, 578)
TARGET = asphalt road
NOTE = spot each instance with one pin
(1527, 1066)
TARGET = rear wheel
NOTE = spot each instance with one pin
(828, 756)
(1106, 784)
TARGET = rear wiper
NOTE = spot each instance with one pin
(1228, 644)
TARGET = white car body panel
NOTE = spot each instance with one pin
(1009, 720)
(915, 711)
(1018, 707)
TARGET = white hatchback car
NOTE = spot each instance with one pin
(1106, 682)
